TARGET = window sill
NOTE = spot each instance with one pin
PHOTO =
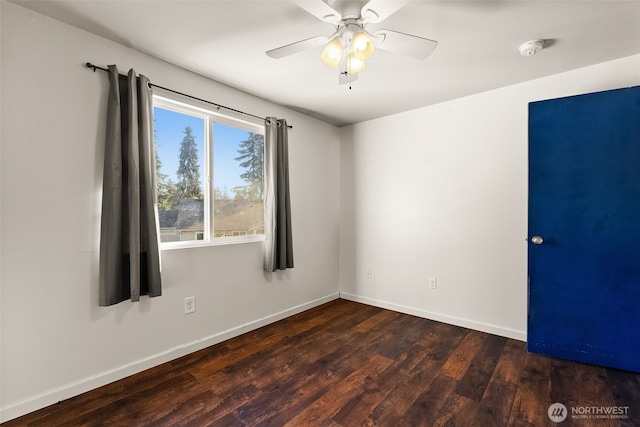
(220, 241)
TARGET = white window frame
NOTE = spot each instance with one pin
(203, 110)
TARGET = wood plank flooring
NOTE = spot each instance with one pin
(349, 364)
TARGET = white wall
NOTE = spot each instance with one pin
(55, 340)
(441, 192)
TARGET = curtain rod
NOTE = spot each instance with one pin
(95, 67)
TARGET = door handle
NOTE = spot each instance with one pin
(537, 240)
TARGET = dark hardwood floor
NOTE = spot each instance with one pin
(349, 364)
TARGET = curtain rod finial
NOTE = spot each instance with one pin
(90, 65)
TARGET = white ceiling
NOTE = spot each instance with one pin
(477, 50)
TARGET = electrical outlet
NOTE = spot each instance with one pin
(189, 305)
(433, 283)
(368, 273)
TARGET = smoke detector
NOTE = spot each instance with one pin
(531, 47)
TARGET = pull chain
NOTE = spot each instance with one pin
(347, 75)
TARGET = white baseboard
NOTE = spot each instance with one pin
(73, 389)
(452, 320)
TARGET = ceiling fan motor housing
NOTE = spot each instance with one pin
(348, 9)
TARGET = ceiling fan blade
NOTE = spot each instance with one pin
(290, 49)
(405, 44)
(379, 10)
(320, 9)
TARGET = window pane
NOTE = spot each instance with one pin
(180, 175)
(238, 157)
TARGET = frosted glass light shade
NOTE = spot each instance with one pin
(355, 64)
(362, 45)
(332, 53)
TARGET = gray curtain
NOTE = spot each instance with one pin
(129, 247)
(278, 246)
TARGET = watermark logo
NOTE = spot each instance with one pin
(557, 412)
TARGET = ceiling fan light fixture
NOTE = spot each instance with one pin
(362, 45)
(355, 64)
(351, 45)
(332, 53)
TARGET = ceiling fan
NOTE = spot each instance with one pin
(351, 44)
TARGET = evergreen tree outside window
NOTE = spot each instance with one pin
(209, 175)
(188, 172)
(252, 159)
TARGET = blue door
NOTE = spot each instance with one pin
(584, 228)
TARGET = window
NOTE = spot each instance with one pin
(209, 171)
